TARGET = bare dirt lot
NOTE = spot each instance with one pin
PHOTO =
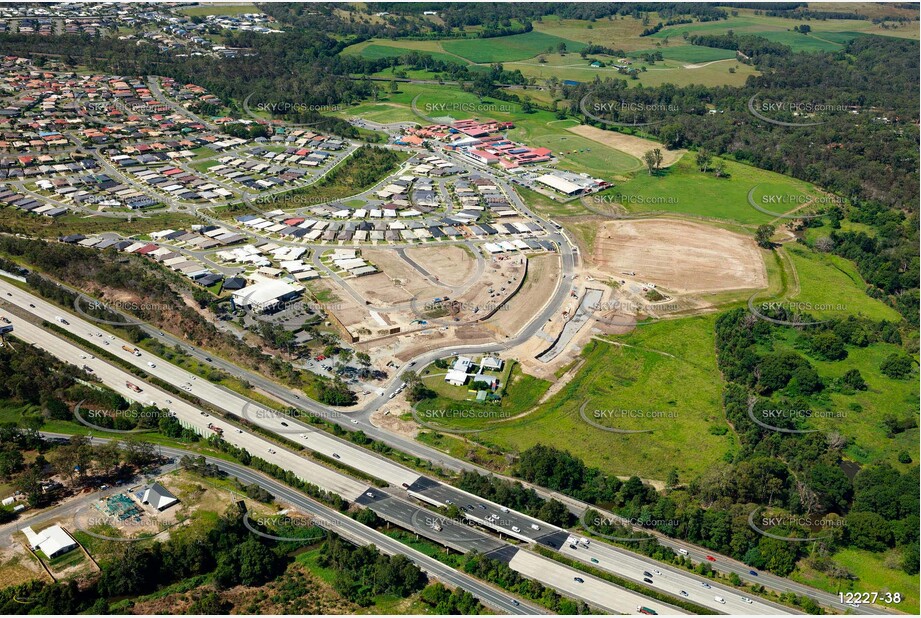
(452, 265)
(539, 285)
(680, 256)
(632, 145)
(398, 282)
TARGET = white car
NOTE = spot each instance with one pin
(239, 431)
(746, 600)
(152, 365)
(657, 572)
(682, 551)
(354, 422)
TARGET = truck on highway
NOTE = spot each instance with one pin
(645, 610)
(128, 348)
(61, 320)
(134, 387)
(216, 429)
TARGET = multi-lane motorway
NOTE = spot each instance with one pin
(460, 536)
(609, 558)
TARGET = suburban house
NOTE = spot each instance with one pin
(159, 497)
(52, 541)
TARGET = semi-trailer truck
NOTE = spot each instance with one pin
(134, 387)
(134, 351)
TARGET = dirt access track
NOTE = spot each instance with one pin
(679, 256)
(632, 145)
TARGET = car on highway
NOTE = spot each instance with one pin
(657, 571)
(595, 560)
(578, 580)
(682, 551)
(284, 424)
(683, 593)
(746, 600)
(719, 599)
(573, 546)
(515, 603)
(354, 422)
(152, 365)
(647, 580)
(336, 455)
(272, 451)
(516, 529)
(239, 431)
(753, 572)
(705, 584)
(369, 494)
(711, 558)
(647, 574)
(31, 305)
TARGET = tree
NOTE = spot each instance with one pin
(363, 358)
(828, 346)
(703, 159)
(653, 160)
(763, 236)
(869, 531)
(853, 380)
(896, 366)
(672, 481)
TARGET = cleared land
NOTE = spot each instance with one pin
(677, 394)
(507, 48)
(680, 256)
(452, 265)
(630, 144)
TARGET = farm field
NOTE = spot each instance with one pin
(768, 27)
(508, 48)
(666, 372)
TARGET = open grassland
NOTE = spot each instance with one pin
(780, 30)
(872, 572)
(662, 378)
(576, 153)
(506, 48)
(859, 417)
(679, 72)
(228, 8)
(683, 188)
(834, 283)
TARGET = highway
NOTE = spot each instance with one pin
(361, 458)
(360, 534)
(612, 598)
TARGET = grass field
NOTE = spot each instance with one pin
(508, 48)
(45, 227)
(689, 53)
(221, 9)
(834, 281)
(682, 188)
(872, 573)
(679, 398)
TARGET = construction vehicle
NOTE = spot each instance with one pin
(134, 387)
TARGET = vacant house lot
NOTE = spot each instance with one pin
(451, 265)
(679, 256)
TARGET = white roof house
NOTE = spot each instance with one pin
(456, 378)
(159, 497)
(52, 541)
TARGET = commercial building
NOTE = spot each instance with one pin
(266, 295)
